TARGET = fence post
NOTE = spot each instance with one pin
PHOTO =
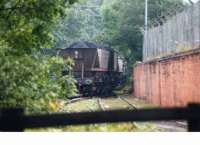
(194, 119)
(11, 120)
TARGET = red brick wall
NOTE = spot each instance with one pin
(174, 81)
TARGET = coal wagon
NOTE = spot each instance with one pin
(97, 69)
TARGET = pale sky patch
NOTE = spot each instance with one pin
(191, 0)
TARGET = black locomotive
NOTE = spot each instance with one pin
(97, 69)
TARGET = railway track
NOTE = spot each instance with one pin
(76, 100)
(98, 101)
(126, 100)
(120, 102)
(100, 105)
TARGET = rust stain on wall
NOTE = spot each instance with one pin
(171, 82)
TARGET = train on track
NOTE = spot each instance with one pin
(97, 70)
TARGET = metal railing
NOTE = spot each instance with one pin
(180, 33)
(15, 120)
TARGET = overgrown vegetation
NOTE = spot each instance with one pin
(109, 103)
(28, 79)
(29, 25)
(124, 23)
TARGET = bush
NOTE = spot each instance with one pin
(28, 80)
(34, 82)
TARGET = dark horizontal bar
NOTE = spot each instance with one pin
(14, 119)
(143, 115)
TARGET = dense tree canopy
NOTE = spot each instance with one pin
(83, 22)
(30, 79)
(26, 24)
(124, 21)
(27, 78)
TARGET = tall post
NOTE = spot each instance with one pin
(82, 70)
(146, 15)
(145, 45)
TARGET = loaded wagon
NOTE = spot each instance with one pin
(97, 70)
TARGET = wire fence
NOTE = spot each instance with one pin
(180, 33)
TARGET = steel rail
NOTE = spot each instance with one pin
(127, 102)
(100, 104)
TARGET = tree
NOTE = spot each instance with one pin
(29, 79)
(123, 23)
(84, 23)
(26, 24)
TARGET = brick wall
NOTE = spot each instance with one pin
(173, 81)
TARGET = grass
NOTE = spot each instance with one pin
(91, 104)
(114, 127)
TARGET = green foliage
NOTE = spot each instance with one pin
(29, 80)
(83, 23)
(117, 23)
(123, 22)
(33, 82)
(26, 24)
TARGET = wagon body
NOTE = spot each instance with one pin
(97, 69)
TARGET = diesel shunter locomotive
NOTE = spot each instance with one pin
(97, 69)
